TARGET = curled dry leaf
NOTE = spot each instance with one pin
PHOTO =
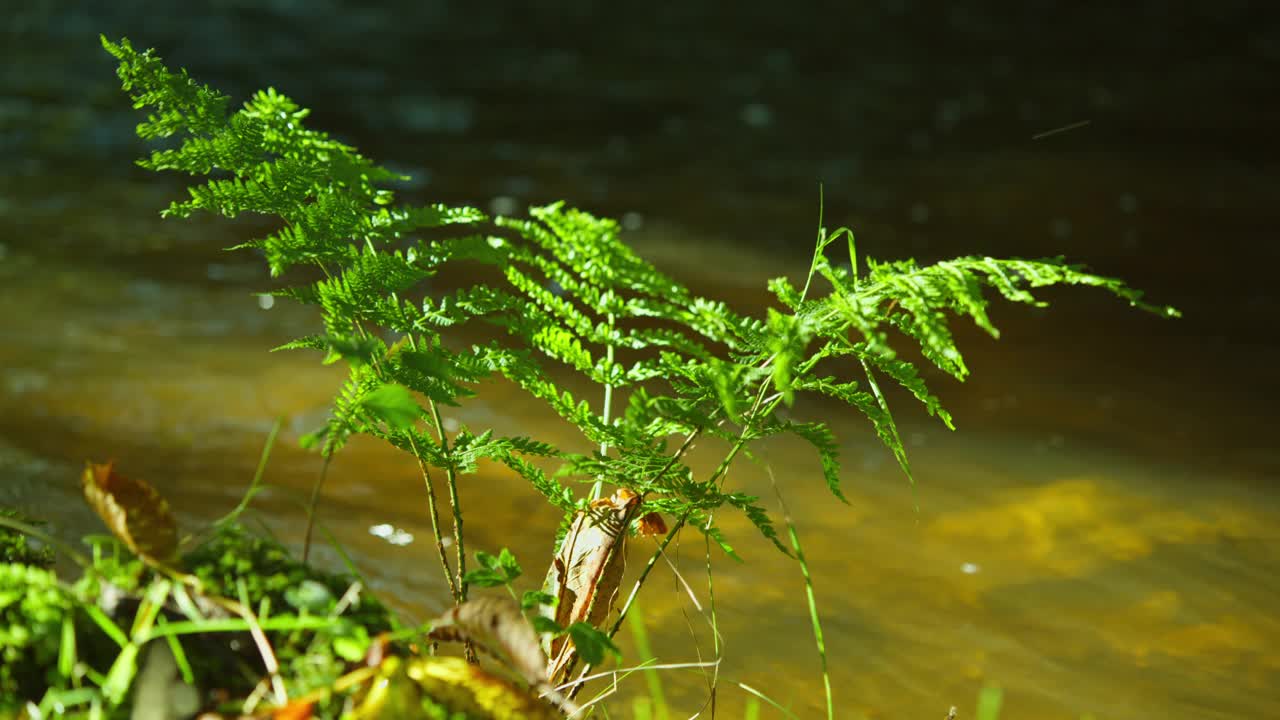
(497, 625)
(651, 525)
(133, 511)
(586, 573)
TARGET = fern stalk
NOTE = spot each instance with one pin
(435, 522)
(312, 502)
(597, 488)
(454, 504)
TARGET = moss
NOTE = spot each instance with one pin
(235, 561)
(16, 548)
(33, 608)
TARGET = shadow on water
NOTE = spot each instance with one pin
(1099, 536)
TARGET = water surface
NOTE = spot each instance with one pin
(1098, 538)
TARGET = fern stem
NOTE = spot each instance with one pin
(684, 517)
(311, 506)
(454, 503)
(822, 236)
(435, 519)
(622, 615)
(597, 489)
(469, 648)
(715, 625)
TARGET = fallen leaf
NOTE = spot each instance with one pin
(133, 511)
(497, 625)
(401, 686)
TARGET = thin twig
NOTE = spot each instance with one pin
(637, 668)
(1058, 130)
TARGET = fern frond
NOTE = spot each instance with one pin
(570, 296)
(179, 103)
(819, 435)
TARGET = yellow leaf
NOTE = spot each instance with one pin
(455, 684)
(464, 687)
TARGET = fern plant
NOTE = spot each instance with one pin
(566, 294)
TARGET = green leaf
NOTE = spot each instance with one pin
(592, 645)
(544, 624)
(309, 441)
(310, 596)
(699, 520)
(394, 405)
(494, 570)
(120, 676)
(505, 562)
(533, 599)
(787, 340)
(758, 517)
(483, 578)
(819, 435)
(354, 646)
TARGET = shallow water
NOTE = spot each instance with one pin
(1098, 537)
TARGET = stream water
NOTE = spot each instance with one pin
(1099, 536)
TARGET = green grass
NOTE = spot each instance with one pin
(656, 702)
(989, 702)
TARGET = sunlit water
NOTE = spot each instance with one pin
(1099, 536)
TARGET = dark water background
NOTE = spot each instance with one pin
(1099, 536)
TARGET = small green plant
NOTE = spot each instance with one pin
(91, 645)
(559, 292)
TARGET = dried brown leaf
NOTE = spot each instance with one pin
(651, 525)
(133, 511)
(586, 573)
(497, 625)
